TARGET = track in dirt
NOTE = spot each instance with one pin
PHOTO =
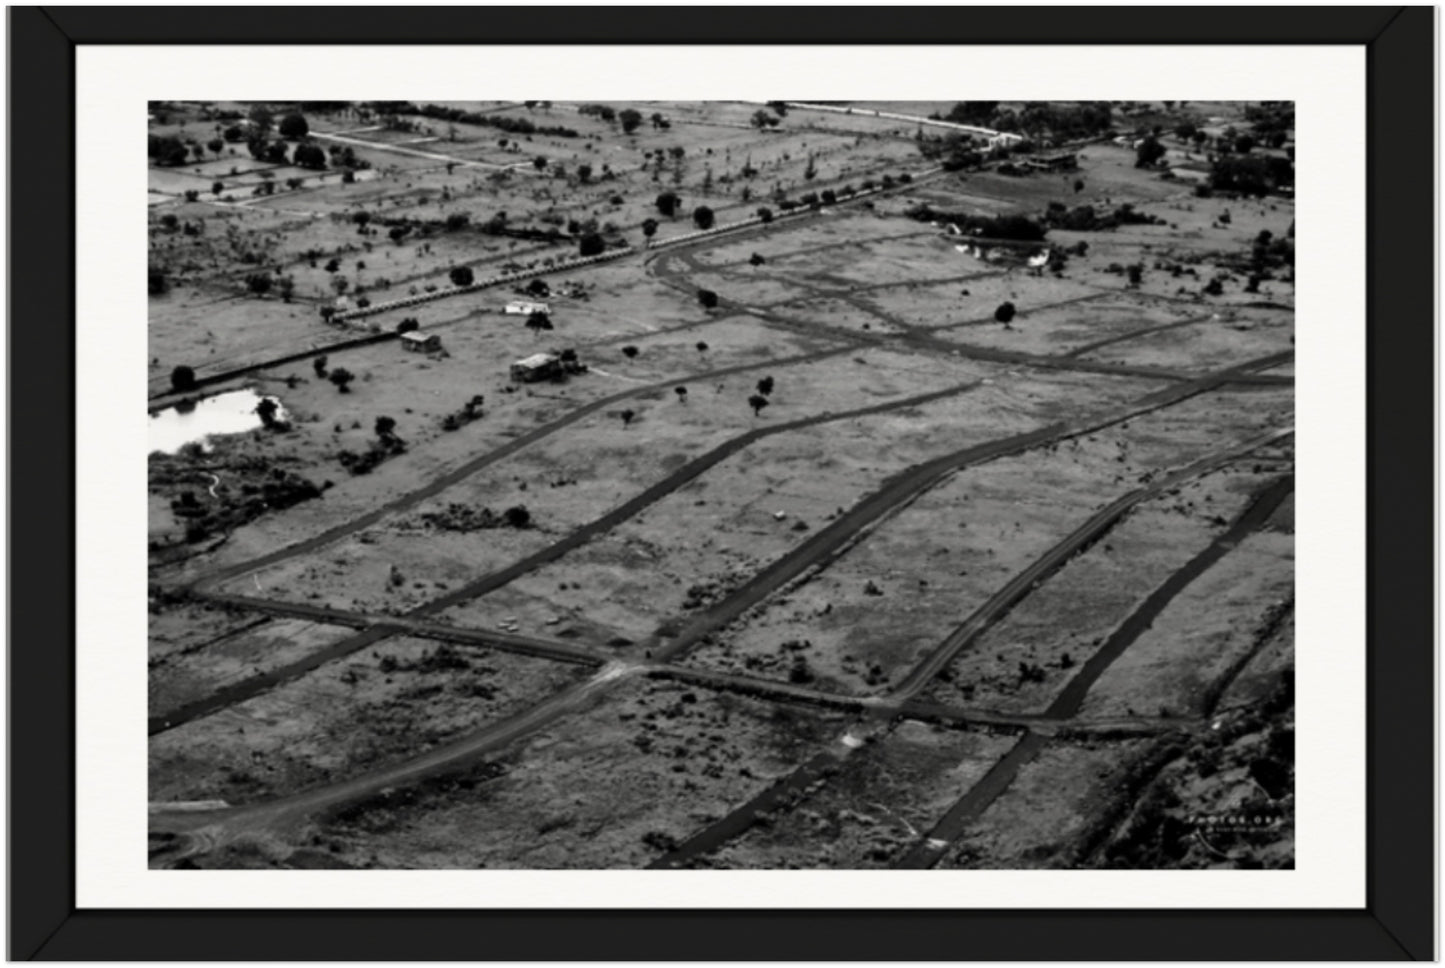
(471, 467)
(983, 618)
(264, 682)
(929, 850)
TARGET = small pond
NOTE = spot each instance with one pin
(225, 413)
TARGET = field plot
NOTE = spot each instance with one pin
(1049, 810)
(1217, 622)
(400, 697)
(255, 647)
(1021, 664)
(894, 788)
(599, 791)
(941, 515)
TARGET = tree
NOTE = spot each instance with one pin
(707, 298)
(630, 352)
(584, 173)
(1244, 144)
(757, 401)
(540, 163)
(461, 276)
(167, 151)
(157, 282)
(518, 516)
(667, 203)
(1078, 185)
(703, 217)
(1149, 152)
(765, 386)
(260, 117)
(183, 378)
(766, 214)
(408, 325)
(1136, 274)
(627, 416)
(537, 322)
(306, 156)
(385, 427)
(216, 145)
(681, 394)
(756, 260)
(341, 378)
(811, 171)
(649, 228)
(259, 283)
(1005, 312)
(266, 410)
(591, 244)
(293, 127)
(702, 347)
(630, 119)
(319, 366)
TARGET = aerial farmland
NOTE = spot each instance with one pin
(721, 485)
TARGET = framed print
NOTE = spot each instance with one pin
(976, 505)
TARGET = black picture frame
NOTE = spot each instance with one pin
(1397, 921)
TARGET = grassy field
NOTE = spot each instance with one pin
(753, 471)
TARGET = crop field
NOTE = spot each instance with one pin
(720, 485)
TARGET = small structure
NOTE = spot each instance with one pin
(1189, 173)
(539, 366)
(521, 307)
(1005, 139)
(1059, 161)
(419, 342)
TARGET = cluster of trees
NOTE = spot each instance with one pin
(758, 401)
(471, 410)
(168, 151)
(1149, 153)
(1251, 174)
(1018, 228)
(1086, 218)
(1272, 121)
(1056, 120)
(463, 518)
(501, 122)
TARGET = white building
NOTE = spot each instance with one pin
(521, 307)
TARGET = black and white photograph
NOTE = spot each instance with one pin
(721, 485)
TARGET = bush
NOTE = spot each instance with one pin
(293, 127)
(183, 378)
(591, 244)
(1005, 312)
(461, 276)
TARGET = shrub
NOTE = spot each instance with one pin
(183, 378)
